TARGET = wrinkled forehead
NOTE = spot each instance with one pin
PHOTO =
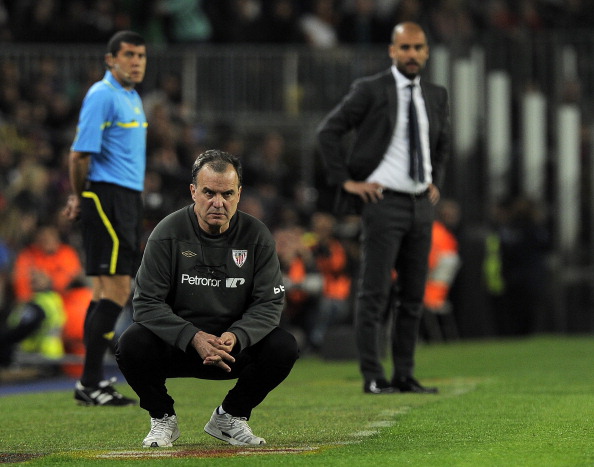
(216, 180)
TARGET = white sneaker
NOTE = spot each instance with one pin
(164, 431)
(233, 430)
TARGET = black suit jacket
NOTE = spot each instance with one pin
(370, 109)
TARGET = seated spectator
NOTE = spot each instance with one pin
(302, 280)
(444, 262)
(45, 272)
(444, 259)
(332, 261)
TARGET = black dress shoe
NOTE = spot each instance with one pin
(410, 384)
(377, 386)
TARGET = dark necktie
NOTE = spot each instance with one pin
(417, 171)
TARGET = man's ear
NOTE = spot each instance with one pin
(109, 60)
(392, 51)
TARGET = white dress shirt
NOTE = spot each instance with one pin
(393, 170)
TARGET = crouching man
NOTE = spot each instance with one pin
(207, 304)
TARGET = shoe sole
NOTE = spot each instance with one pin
(379, 393)
(83, 403)
(92, 404)
(175, 437)
(88, 402)
(82, 399)
(417, 392)
(216, 433)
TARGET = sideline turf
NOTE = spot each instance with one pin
(502, 403)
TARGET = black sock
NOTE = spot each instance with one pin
(90, 310)
(98, 334)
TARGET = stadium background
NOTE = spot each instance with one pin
(519, 73)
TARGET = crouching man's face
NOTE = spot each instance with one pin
(216, 196)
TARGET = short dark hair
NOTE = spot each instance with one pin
(218, 161)
(115, 43)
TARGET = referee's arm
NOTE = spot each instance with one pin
(78, 168)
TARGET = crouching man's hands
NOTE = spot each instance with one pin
(215, 350)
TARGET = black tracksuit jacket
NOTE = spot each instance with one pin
(190, 281)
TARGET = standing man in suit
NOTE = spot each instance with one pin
(391, 177)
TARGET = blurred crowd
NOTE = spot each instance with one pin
(319, 253)
(38, 117)
(319, 23)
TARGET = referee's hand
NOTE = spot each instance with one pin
(72, 209)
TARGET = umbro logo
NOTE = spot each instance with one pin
(188, 253)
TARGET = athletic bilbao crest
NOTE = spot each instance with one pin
(239, 257)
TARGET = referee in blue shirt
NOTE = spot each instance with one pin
(106, 168)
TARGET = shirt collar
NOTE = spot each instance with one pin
(402, 81)
(110, 79)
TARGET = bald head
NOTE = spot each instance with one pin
(407, 27)
(409, 50)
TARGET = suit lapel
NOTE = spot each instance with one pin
(390, 86)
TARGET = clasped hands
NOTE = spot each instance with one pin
(214, 350)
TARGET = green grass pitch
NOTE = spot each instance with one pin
(525, 402)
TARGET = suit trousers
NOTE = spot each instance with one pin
(147, 361)
(396, 235)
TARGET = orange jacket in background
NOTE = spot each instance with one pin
(62, 267)
(443, 266)
(337, 283)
